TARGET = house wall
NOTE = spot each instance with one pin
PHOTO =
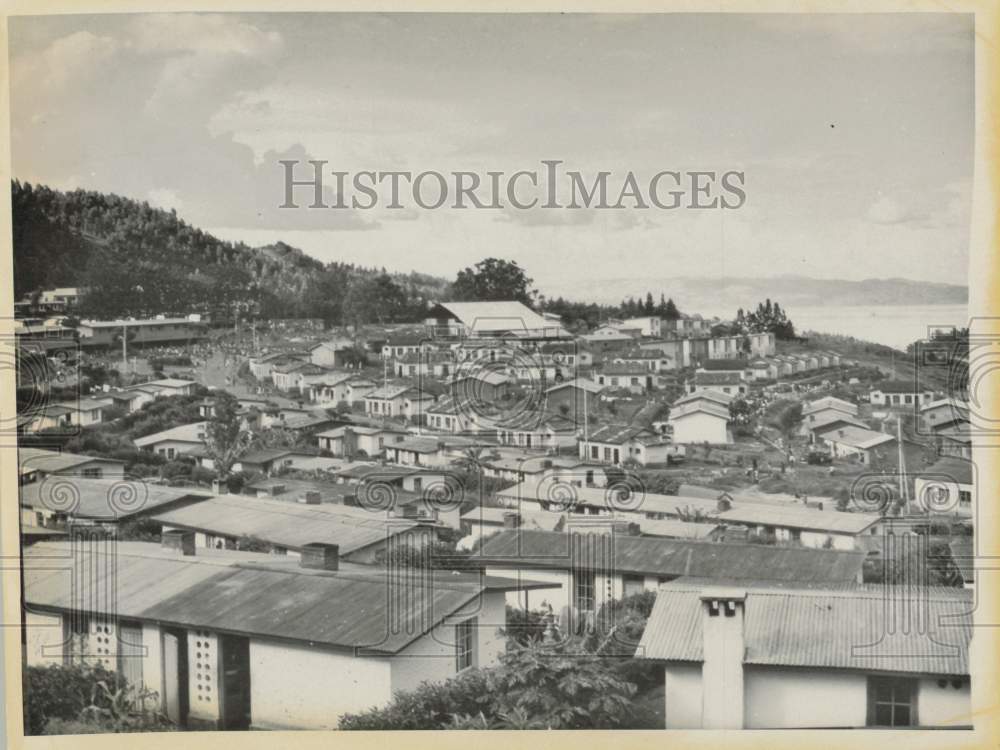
(682, 695)
(698, 427)
(943, 706)
(293, 687)
(432, 656)
(43, 638)
(179, 447)
(777, 697)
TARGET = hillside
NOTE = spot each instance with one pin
(140, 260)
(793, 291)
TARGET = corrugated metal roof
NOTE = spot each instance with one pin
(55, 461)
(102, 499)
(674, 557)
(363, 610)
(287, 524)
(798, 517)
(871, 628)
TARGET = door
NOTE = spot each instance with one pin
(235, 657)
(175, 676)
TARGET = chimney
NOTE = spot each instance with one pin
(311, 497)
(723, 652)
(511, 520)
(320, 556)
(179, 541)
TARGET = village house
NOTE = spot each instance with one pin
(60, 500)
(687, 324)
(941, 413)
(173, 442)
(349, 441)
(595, 562)
(261, 366)
(946, 487)
(616, 444)
(809, 527)
(899, 393)
(404, 344)
(400, 401)
(129, 400)
(428, 364)
(489, 319)
(954, 439)
(728, 383)
(700, 417)
(634, 378)
(419, 450)
(271, 460)
(65, 416)
(337, 352)
(574, 398)
(653, 360)
(609, 339)
(171, 386)
(479, 387)
(287, 377)
(839, 663)
(826, 414)
(340, 387)
(865, 445)
(551, 433)
(362, 535)
(750, 344)
(37, 463)
(448, 416)
(584, 491)
(650, 326)
(152, 331)
(291, 635)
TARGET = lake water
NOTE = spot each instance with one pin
(892, 325)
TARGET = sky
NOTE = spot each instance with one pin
(855, 133)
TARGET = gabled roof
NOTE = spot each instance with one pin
(669, 557)
(857, 437)
(822, 629)
(287, 524)
(584, 384)
(618, 434)
(185, 433)
(833, 417)
(389, 392)
(700, 406)
(799, 517)
(718, 397)
(829, 402)
(497, 316)
(951, 468)
(717, 378)
(103, 499)
(52, 462)
(724, 365)
(256, 594)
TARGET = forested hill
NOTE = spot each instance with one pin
(140, 260)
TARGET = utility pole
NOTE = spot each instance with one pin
(124, 348)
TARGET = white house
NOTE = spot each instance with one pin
(351, 440)
(175, 441)
(64, 415)
(900, 393)
(594, 560)
(700, 418)
(616, 444)
(36, 463)
(860, 442)
(840, 661)
(799, 524)
(333, 353)
(490, 319)
(946, 487)
(279, 654)
(549, 433)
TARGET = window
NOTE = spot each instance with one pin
(632, 585)
(892, 702)
(92, 473)
(594, 453)
(583, 590)
(465, 644)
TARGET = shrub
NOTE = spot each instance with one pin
(536, 686)
(525, 625)
(59, 691)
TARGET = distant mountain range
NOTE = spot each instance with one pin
(693, 294)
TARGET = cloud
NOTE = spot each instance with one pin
(165, 198)
(890, 210)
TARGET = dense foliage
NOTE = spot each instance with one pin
(536, 686)
(138, 260)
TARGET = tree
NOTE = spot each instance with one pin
(378, 299)
(789, 421)
(493, 279)
(226, 436)
(768, 318)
